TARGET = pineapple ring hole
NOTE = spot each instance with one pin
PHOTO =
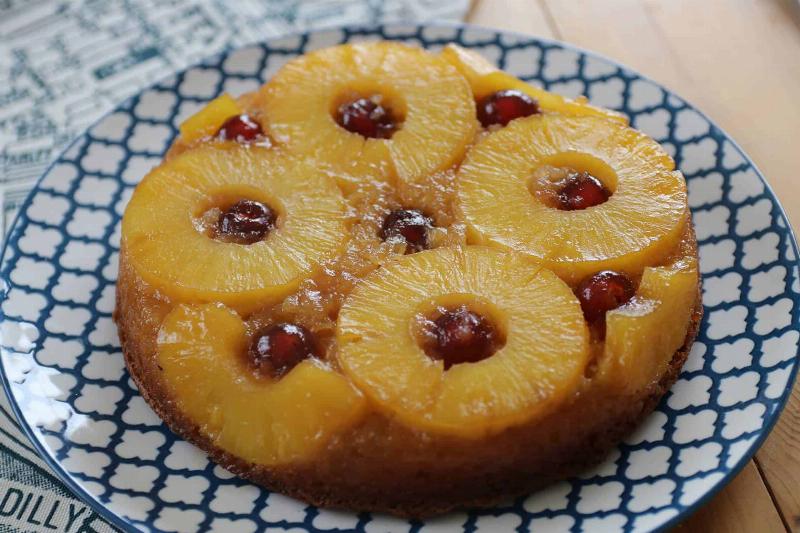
(276, 349)
(424, 326)
(386, 97)
(207, 213)
(551, 173)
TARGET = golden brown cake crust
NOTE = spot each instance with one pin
(380, 465)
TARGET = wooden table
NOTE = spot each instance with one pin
(738, 61)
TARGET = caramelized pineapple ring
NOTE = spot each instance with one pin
(506, 198)
(165, 235)
(430, 102)
(537, 364)
(201, 349)
(644, 334)
(485, 79)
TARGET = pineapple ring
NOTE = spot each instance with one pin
(546, 341)
(639, 225)
(200, 350)
(485, 79)
(165, 247)
(433, 99)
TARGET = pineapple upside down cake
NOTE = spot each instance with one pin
(399, 281)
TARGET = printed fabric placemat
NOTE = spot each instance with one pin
(66, 63)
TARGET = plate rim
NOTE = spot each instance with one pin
(121, 523)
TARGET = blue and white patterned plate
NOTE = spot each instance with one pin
(65, 374)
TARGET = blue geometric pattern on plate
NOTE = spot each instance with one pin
(66, 377)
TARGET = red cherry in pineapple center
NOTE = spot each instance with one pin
(603, 292)
(410, 225)
(278, 348)
(240, 128)
(462, 336)
(367, 118)
(246, 221)
(581, 190)
(502, 107)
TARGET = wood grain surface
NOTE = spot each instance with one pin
(739, 62)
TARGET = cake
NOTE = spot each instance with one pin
(392, 280)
